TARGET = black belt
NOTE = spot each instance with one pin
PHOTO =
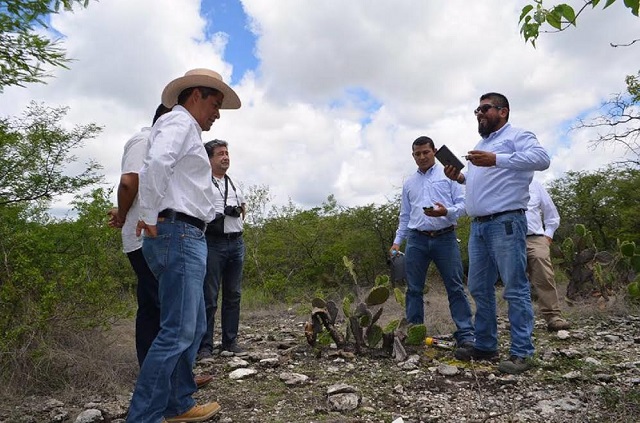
(532, 235)
(493, 216)
(230, 235)
(174, 215)
(439, 232)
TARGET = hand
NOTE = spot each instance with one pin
(438, 210)
(149, 230)
(482, 158)
(114, 222)
(452, 172)
(395, 249)
(549, 239)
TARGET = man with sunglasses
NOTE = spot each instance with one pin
(501, 167)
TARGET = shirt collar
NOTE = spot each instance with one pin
(179, 108)
(430, 170)
(498, 132)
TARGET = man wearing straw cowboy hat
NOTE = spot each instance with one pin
(176, 201)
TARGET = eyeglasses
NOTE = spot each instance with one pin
(485, 108)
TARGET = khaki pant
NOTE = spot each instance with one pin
(541, 276)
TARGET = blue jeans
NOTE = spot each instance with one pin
(224, 268)
(148, 314)
(498, 247)
(443, 250)
(177, 257)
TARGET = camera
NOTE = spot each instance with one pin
(233, 211)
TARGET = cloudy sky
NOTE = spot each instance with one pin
(335, 91)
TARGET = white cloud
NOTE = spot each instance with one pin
(301, 129)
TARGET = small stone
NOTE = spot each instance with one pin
(563, 334)
(293, 378)
(343, 402)
(242, 373)
(89, 416)
(447, 370)
(612, 338)
(340, 388)
(270, 362)
(593, 361)
(236, 363)
(572, 375)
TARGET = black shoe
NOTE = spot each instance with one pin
(204, 354)
(466, 344)
(515, 365)
(234, 348)
(467, 354)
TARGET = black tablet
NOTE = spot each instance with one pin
(446, 157)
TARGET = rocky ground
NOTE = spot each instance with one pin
(590, 373)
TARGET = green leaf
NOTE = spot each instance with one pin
(525, 11)
(391, 326)
(608, 3)
(634, 5)
(568, 13)
(628, 249)
(374, 335)
(377, 296)
(594, 3)
(346, 306)
(416, 334)
(635, 263)
(581, 230)
(399, 295)
(553, 19)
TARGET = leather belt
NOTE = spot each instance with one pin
(230, 235)
(532, 235)
(439, 232)
(493, 216)
(174, 215)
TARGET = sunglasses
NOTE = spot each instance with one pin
(485, 108)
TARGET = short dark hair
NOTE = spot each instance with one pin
(210, 146)
(161, 110)
(205, 91)
(498, 100)
(422, 141)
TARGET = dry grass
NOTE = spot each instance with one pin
(72, 363)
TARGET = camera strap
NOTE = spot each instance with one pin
(227, 181)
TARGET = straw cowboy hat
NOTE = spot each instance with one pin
(200, 78)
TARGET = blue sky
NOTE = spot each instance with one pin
(228, 17)
(334, 92)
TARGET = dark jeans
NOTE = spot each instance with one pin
(224, 268)
(148, 314)
(444, 252)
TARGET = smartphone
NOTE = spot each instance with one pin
(430, 208)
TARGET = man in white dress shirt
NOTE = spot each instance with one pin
(176, 202)
(542, 221)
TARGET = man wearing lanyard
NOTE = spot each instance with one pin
(176, 201)
(431, 206)
(499, 173)
(225, 255)
(542, 221)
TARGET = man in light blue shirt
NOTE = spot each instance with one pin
(500, 170)
(431, 206)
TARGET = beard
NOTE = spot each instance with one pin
(487, 127)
